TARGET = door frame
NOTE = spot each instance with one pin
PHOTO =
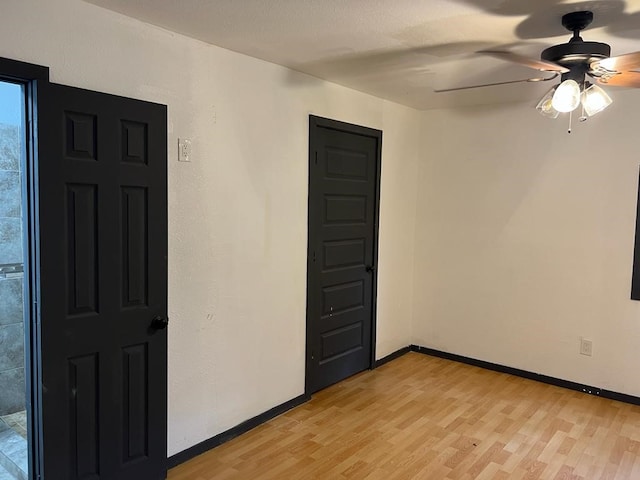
(29, 75)
(330, 124)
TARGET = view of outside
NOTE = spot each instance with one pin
(13, 423)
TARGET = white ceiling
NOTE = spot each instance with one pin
(400, 50)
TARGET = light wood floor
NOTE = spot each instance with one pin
(427, 418)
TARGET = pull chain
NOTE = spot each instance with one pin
(570, 118)
(583, 117)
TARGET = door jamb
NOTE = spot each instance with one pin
(29, 75)
(316, 121)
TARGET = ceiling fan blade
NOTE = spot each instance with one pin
(624, 79)
(526, 61)
(621, 63)
(531, 80)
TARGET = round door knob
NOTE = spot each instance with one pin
(159, 323)
(371, 268)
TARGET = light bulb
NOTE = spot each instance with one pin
(567, 96)
(594, 100)
(545, 105)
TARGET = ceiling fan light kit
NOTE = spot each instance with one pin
(578, 57)
(545, 105)
(576, 60)
(595, 99)
(566, 97)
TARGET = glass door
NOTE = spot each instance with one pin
(14, 428)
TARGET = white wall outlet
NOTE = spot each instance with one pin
(586, 347)
(184, 150)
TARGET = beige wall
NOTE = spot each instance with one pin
(501, 238)
(524, 240)
(237, 214)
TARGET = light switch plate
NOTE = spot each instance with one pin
(184, 150)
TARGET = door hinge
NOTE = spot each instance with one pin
(314, 256)
(36, 312)
(316, 158)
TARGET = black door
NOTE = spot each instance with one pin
(102, 180)
(344, 173)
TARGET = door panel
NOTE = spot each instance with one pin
(343, 210)
(103, 252)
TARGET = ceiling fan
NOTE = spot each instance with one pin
(575, 62)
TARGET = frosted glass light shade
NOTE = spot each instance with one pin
(567, 96)
(594, 100)
(545, 105)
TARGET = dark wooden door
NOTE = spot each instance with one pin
(344, 173)
(101, 167)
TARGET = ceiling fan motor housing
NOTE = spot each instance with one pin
(576, 55)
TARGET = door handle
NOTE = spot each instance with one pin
(159, 323)
(371, 268)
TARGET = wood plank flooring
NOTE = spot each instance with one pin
(420, 417)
